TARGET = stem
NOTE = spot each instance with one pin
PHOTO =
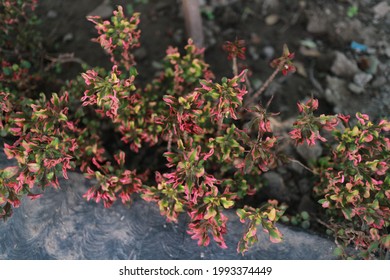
(264, 86)
(301, 164)
(235, 68)
(169, 147)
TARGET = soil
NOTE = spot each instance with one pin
(323, 35)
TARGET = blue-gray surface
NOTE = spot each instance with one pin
(62, 225)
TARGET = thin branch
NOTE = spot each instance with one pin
(62, 58)
(301, 164)
(257, 94)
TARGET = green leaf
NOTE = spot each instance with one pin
(385, 240)
(25, 64)
(347, 213)
(2, 199)
(241, 213)
(274, 235)
(33, 167)
(211, 212)
(9, 172)
(338, 251)
(226, 203)
(7, 71)
(305, 215)
(50, 176)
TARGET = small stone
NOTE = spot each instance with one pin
(355, 88)
(275, 187)
(271, 19)
(304, 186)
(343, 67)
(362, 79)
(140, 54)
(381, 9)
(373, 65)
(68, 37)
(379, 82)
(310, 52)
(307, 204)
(52, 14)
(310, 153)
(317, 23)
(268, 52)
(336, 89)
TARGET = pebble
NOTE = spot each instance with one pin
(307, 204)
(304, 185)
(381, 9)
(52, 14)
(140, 54)
(379, 82)
(268, 52)
(275, 187)
(355, 88)
(317, 23)
(68, 37)
(336, 92)
(373, 65)
(362, 79)
(343, 67)
(271, 19)
(310, 153)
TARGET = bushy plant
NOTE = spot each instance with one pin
(212, 158)
(353, 179)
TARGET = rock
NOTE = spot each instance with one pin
(370, 64)
(343, 67)
(268, 52)
(68, 37)
(140, 54)
(355, 88)
(304, 185)
(337, 92)
(271, 19)
(52, 14)
(274, 187)
(309, 153)
(317, 23)
(307, 204)
(310, 52)
(348, 30)
(381, 9)
(379, 82)
(362, 79)
(62, 225)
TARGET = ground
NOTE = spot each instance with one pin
(342, 54)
